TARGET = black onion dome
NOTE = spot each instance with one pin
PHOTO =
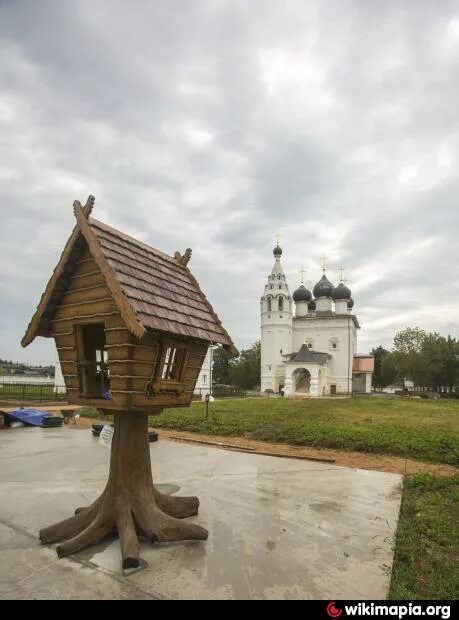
(277, 250)
(341, 292)
(350, 303)
(311, 305)
(323, 288)
(302, 294)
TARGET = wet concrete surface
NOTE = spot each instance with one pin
(278, 528)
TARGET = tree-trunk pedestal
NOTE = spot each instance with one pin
(130, 503)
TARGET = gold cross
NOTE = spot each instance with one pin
(277, 239)
(341, 273)
(324, 260)
(302, 272)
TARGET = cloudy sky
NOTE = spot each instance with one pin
(217, 124)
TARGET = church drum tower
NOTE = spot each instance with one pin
(276, 327)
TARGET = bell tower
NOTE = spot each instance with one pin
(276, 326)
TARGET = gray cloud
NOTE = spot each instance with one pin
(216, 125)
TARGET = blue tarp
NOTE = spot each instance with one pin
(31, 416)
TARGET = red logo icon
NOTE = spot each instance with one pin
(333, 610)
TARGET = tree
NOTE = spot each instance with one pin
(450, 367)
(246, 369)
(221, 366)
(432, 356)
(409, 345)
(390, 369)
(428, 359)
(379, 354)
(410, 340)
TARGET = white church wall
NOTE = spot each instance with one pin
(301, 308)
(276, 341)
(341, 306)
(323, 333)
(323, 304)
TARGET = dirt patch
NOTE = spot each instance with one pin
(356, 460)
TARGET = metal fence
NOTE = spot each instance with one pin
(32, 391)
(223, 393)
(41, 392)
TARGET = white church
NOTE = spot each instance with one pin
(309, 340)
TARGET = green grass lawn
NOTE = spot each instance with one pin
(427, 430)
(426, 563)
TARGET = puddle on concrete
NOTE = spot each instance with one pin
(167, 489)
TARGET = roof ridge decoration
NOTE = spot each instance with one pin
(185, 259)
(87, 209)
(132, 310)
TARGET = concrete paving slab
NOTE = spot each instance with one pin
(278, 528)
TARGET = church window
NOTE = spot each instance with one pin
(280, 351)
(269, 304)
(334, 343)
(271, 286)
(278, 276)
(281, 303)
(280, 285)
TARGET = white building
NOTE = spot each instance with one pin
(312, 350)
(203, 383)
(59, 383)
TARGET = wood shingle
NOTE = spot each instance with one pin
(152, 290)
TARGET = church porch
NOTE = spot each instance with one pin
(306, 380)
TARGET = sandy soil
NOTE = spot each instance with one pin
(358, 460)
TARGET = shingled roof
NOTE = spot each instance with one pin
(152, 290)
(305, 354)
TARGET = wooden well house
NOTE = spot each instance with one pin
(131, 324)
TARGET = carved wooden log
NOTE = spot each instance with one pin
(130, 502)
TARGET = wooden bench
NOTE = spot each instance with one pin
(69, 414)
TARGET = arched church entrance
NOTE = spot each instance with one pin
(302, 380)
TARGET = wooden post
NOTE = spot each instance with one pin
(130, 502)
